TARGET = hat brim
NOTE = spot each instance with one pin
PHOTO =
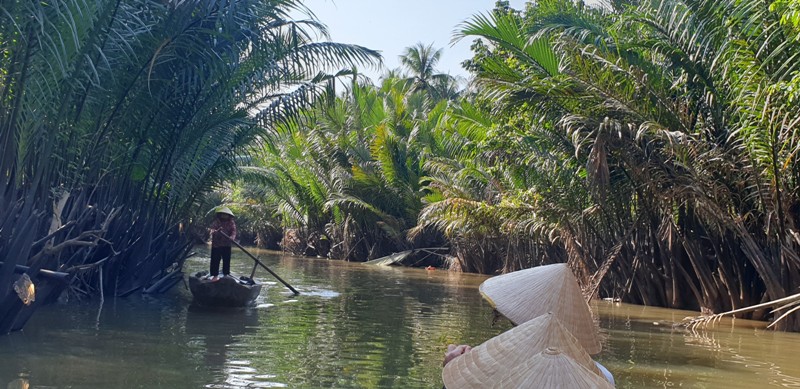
(225, 211)
(499, 357)
(526, 294)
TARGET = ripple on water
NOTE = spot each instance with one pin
(317, 292)
(252, 381)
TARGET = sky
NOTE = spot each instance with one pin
(390, 26)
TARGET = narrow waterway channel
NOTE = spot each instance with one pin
(355, 326)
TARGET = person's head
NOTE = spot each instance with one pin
(224, 213)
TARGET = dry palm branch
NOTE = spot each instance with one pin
(790, 302)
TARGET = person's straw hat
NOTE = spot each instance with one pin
(552, 369)
(224, 210)
(523, 295)
(500, 357)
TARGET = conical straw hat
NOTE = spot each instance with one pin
(486, 364)
(552, 369)
(224, 210)
(523, 295)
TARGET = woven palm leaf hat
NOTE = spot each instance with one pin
(552, 369)
(526, 294)
(224, 210)
(503, 356)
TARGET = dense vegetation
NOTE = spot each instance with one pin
(652, 145)
(117, 117)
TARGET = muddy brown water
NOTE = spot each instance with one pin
(356, 326)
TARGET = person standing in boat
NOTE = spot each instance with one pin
(220, 244)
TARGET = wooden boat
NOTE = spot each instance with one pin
(225, 292)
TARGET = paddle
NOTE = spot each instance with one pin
(258, 262)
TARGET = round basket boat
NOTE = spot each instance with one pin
(224, 292)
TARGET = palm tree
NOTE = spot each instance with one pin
(350, 170)
(667, 143)
(123, 114)
(420, 61)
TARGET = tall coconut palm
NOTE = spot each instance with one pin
(420, 62)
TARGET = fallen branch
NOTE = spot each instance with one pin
(77, 241)
(80, 240)
(80, 268)
(52, 234)
(782, 303)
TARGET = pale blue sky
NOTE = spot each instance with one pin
(392, 25)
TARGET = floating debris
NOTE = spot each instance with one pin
(25, 289)
(19, 383)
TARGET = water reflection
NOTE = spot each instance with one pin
(216, 331)
(644, 349)
(356, 326)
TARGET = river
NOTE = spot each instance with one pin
(355, 326)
